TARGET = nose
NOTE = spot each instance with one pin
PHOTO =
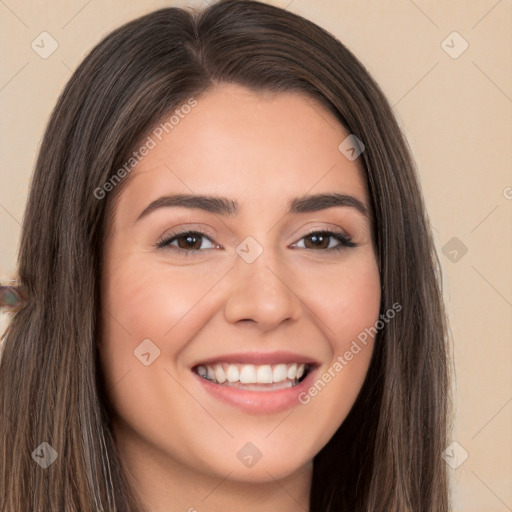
(261, 293)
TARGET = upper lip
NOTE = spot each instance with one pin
(258, 358)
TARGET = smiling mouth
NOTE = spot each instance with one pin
(252, 377)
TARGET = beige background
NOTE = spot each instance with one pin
(457, 116)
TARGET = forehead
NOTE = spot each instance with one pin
(257, 147)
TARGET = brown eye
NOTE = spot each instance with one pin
(190, 241)
(322, 240)
(187, 241)
(319, 241)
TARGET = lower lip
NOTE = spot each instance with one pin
(258, 402)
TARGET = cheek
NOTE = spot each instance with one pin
(150, 297)
(348, 305)
(356, 307)
(143, 299)
(353, 313)
(346, 299)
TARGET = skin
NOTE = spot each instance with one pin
(179, 444)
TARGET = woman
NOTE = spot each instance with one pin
(267, 369)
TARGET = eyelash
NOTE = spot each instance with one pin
(345, 242)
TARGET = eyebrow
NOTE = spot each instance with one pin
(228, 207)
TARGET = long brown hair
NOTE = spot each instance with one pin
(386, 456)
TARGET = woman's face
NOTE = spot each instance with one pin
(257, 292)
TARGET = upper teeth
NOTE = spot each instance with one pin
(250, 373)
